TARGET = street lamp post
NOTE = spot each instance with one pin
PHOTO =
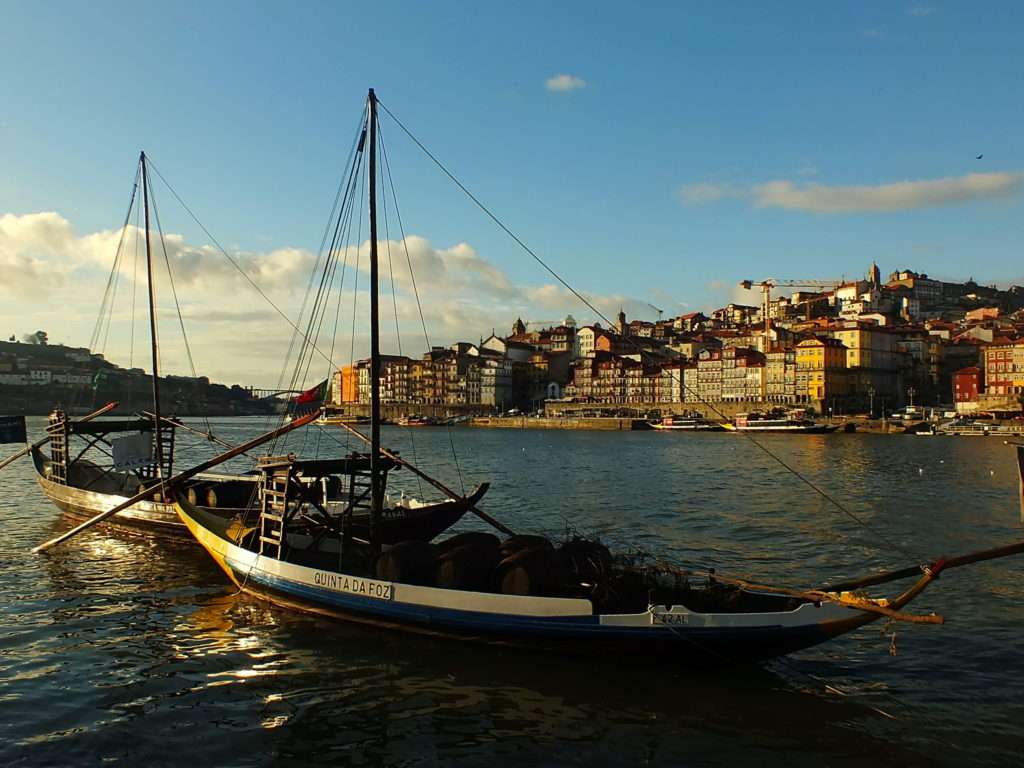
(911, 392)
(871, 398)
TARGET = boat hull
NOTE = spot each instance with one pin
(817, 429)
(566, 623)
(161, 519)
(79, 504)
(706, 427)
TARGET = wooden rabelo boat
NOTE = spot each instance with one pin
(95, 464)
(523, 589)
(83, 489)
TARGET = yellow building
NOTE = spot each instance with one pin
(821, 369)
(867, 346)
(346, 385)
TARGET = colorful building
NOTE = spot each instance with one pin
(821, 369)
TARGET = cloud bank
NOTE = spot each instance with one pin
(879, 198)
(54, 279)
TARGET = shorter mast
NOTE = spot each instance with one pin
(157, 442)
(376, 484)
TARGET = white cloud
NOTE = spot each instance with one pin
(26, 245)
(877, 198)
(55, 279)
(564, 83)
(899, 196)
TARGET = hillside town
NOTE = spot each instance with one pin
(865, 346)
(36, 375)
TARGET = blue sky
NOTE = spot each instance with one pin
(693, 145)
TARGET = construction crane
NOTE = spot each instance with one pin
(659, 311)
(766, 287)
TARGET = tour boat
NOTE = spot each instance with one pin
(671, 423)
(790, 423)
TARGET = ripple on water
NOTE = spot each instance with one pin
(121, 648)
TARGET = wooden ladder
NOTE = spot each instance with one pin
(57, 429)
(148, 473)
(273, 504)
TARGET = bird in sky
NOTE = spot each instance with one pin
(979, 157)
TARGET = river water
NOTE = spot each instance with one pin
(121, 649)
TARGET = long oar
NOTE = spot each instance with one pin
(436, 483)
(939, 565)
(40, 443)
(172, 481)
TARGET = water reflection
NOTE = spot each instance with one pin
(123, 648)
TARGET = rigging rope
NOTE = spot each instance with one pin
(394, 302)
(792, 470)
(177, 307)
(416, 293)
(336, 231)
(234, 263)
(135, 282)
(111, 280)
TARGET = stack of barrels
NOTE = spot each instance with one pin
(481, 562)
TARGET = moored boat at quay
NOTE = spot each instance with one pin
(686, 423)
(794, 422)
(979, 428)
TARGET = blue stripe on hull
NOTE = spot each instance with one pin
(715, 643)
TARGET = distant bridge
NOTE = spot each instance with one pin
(267, 394)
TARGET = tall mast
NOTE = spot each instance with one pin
(376, 484)
(157, 445)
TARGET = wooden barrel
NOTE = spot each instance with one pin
(514, 544)
(467, 567)
(409, 562)
(212, 497)
(534, 571)
(473, 538)
(227, 494)
(195, 495)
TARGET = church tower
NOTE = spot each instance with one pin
(620, 322)
(518, 327)
(874, 276)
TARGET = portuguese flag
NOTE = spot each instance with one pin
(312, 398)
